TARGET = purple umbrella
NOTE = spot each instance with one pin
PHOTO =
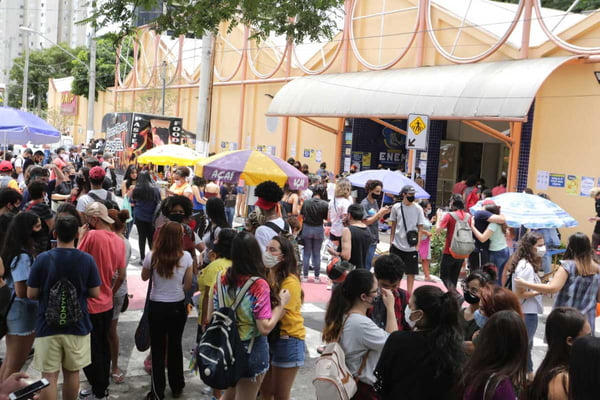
(20, 127)
(253, 167)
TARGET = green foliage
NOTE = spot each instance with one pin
(47, 63)
(583, 5)
(105, 68)
(438, 239)
(295, 19)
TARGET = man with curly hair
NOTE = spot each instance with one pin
(269, 195)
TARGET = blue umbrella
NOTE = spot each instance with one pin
(20, 127)
(530, 211)
(393, 181)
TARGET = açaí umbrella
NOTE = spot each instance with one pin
(530, 211)
(170, 154)
(393, 181)
(253, 167)
(20, 127)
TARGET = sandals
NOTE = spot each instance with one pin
(118, 377)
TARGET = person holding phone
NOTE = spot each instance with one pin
(373, 214)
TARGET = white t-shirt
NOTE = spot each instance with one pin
(169, 290)
(264, 234)
(86, 199)
(19, 164)
(414, 217)
(359, 335)
(526, 272)
(330, 190)
(338, 208)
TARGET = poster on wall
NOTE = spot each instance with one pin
(573, 185)
(366, 160)
(318, 156)
(587, 183)
(306, 153)
(347, 162)
(541, 181)
(556, 180)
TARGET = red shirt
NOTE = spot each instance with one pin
(459, 187)
(108, 250)
(449, 223)
(498, 190)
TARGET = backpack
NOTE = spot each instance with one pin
(220, 355)
(462, 244)
(285, 233)
(63, 309)
(109, 202)
(333, 380)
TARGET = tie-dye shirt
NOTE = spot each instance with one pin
(255, 305)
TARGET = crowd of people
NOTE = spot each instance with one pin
(64, 235)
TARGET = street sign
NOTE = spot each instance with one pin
(417, 132)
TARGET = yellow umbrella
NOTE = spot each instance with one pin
(170, 154)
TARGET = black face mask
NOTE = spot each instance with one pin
(471, 298)
(72, 177)
(176, 217)
(410, 198)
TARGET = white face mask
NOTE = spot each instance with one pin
(270, 260)
(407, 313)
(541, 251)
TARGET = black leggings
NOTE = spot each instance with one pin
(145, 233)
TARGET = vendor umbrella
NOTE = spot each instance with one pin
(253, 167)
(393, 181)
(20, 127)
(170, 154)
(530, 211)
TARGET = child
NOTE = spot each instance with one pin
(389, 270)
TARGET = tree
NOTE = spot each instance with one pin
(44, 64)
(105, 68)
(295, 19)
(583, 5)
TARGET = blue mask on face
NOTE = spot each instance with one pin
(480, 319)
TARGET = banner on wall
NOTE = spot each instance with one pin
(587, 184)
(572, 185)
(68, 103)
(556, 180)
(541, 181)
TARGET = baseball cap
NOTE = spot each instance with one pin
(488, 202)
(99, 210)
(408, 189)
(97, 173)
(5, 166)
(264, 204)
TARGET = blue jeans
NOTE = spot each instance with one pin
(313, 237)
(531, 323)
(229, 213)
(499, 259)
(370, 254)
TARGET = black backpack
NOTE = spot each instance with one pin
(220, 355)
(63, 310)
(109, 202)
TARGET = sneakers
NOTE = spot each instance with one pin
(87, 394)
(305, 279)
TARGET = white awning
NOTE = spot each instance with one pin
(501, 90)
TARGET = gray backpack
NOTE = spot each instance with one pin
(462, 244)
(63, 310)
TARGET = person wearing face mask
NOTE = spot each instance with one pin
(426, 362)
(471, 286)
(180, 185)
(361, 339)
(215, 211)
(524, 265)
(425, 244)
(145, 196)
(286, 344)
(10, 201)
(314, 211)
(373, 214)
(407, 225)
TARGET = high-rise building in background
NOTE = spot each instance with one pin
(55, 19)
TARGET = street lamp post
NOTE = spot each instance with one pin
(163, 77)
(25, 72)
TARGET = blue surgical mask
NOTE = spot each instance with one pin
(480, 319)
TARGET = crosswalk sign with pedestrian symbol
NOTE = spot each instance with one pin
(416, 138)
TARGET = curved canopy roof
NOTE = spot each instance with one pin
(496, 90)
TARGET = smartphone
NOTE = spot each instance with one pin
(28, 391)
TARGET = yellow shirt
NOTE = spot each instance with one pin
(207, 277)
(292, 323)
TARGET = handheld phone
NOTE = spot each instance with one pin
(28, 391)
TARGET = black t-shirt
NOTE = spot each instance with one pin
(44, 212)
(481, 223)
(597, 227)
(314, 211)
(406, 369)
(361, 240)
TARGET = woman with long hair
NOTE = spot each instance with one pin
(361, 339)
(563, 326)
(496, 234)
(425, 243)
(497, 369)
(584, 369)
(286, 344)
(492, 299)
(119, 227)
(255, 316)
(576, 281)
(314, 212)
(471, 287)
(338, 209)
(215, 210)
(170, 269)
(199, 205)
(145, 197)
(290, 203)
(423, 363)
(82, 185)
(525, 264)
(18, 254)
(127, 187)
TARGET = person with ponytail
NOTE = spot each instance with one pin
(426, 362)
(361, 339)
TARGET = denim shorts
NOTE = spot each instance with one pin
(288, 352)
(258, 359)
(21, 318)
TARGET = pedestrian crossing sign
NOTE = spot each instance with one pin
(416, 138)
(418, 125)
